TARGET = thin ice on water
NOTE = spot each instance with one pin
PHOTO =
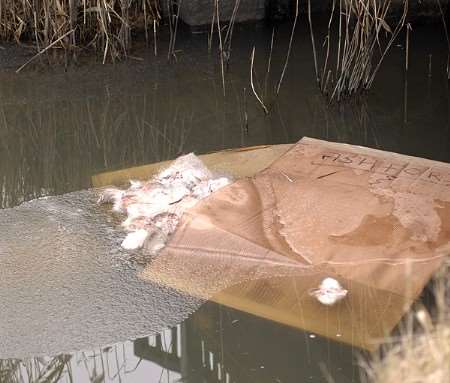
(66, 284)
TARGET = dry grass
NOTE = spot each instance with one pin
(363, 39)
(104, 25)
(424, 358)
(422, 352)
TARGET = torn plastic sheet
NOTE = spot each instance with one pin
(377, 222)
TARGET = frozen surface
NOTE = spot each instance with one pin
(66, 284)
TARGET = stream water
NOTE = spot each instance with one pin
(71, 306)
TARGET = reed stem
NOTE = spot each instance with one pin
(291, 39)
(266, 111)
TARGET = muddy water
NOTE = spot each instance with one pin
(64, 285)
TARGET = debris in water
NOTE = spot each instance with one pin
(329, 292)
(154, 208)
(135, 239)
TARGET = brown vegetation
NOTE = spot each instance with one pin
(364, 37)
(422, 351)
(104, 25)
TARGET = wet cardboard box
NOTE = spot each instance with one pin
(377, 222)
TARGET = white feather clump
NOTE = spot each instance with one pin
(329, 292)
(154, 208)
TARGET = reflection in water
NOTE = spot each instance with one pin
(51, 149)
(216, 344)
(35, 370)
(58, 129)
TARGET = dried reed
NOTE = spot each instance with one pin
(221, 50)
(173, 26)
(444, 24)
(291, 39)
(104, 25)
(261, 102)
(422, 352)
(364, 39)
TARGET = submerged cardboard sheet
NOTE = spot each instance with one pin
(378, 222)
(242, 162)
